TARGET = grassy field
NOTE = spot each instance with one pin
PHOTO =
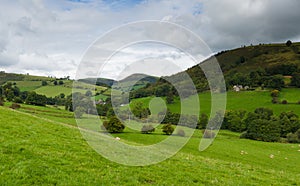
(28, 85)
(41, 145)
(244, 100)
(51, 91)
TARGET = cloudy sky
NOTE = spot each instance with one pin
(50, 37)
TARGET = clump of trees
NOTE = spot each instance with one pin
(263, 125)
(294, 137)
(168, 129)
(79, 112)
(146, 129)
(113, 125)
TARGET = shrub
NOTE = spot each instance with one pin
(1, 101)
(284, 102)
(18, 100)
(208, 134)
(15, 106)
(79, 112)
(292, 138)
(168, 129)
(114, 125)
(288, 43)
(146, 129)
(298, 133)
(181, 133)
(299, 102)
(275, 93)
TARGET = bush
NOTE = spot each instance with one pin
(114, 125)
(244, 135)
(1, 101)
(275, 93)
(181, 133)
(15, 106)
(292, 138)
(299, 102)
(208, 134)
(284, 102)
(79, 112)
(298, 133)
(146, 129)
(168, 129)
(18, 100)
(289, 43)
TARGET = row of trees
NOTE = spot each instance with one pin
(262, 124)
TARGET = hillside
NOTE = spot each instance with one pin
(4, 77)
(252, 66)
(49, 88)
(51, 151)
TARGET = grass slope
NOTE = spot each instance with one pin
(40, 151)
(244, 100)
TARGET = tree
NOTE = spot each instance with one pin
(295, 81)
(234, 121)
(79, 112)
(170, 98)
(62, 95)
(35, 99)
(263, 113)
(203, 120)
(114, 125)
(289, 43)
(275, 82)
(88, 93)
(139, 111)
(10, 95)
(44, 83)
(146, 129)
(285, 125)
(264, 130)
(275, 93)
(168, 129)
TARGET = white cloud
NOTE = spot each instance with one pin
(50, 37)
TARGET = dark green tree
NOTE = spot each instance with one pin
(114, 125)
(44, 83)
(168, 129)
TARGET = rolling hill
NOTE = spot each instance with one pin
(43, 148)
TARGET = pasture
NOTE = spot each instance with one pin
(42, 145)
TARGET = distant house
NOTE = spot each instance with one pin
(100, 102)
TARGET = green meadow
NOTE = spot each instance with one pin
(243, 100)
(43, 146)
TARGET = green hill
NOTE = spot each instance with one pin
(4, 77)
(41, 149)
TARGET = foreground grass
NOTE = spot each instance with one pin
(36, 151)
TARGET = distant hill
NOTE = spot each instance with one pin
(98, 81)
(137, 80)
(134, 82)
(248, 65)
(4, 77)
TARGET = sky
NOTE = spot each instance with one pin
(51, 37)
